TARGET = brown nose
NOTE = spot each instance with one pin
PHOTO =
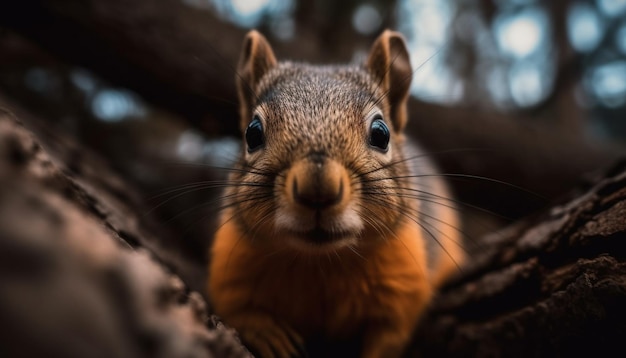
(317, 182)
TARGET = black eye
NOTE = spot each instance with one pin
(254, 135)
(379, 135)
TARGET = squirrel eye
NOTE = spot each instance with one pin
(254, 135)
(379, 134)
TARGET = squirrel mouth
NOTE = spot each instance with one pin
(320, 236)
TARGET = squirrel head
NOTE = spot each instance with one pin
(323, 163)
(388, 64)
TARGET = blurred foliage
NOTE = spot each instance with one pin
(511, 55)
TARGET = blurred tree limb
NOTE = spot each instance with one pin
(181, 58)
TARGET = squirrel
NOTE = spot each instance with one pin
(335, 225)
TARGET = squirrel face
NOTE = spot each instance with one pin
(323, 166)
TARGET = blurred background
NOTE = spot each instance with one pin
(527, 92)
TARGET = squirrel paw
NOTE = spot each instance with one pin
(268, 339)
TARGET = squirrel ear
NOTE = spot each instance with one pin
(390, 65)
(255, 60)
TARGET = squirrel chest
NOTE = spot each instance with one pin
(332, 295)
(332, 224)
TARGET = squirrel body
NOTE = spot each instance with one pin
(381, 296)
(335, 225)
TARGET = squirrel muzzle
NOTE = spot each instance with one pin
(318, 211)
(318, 183)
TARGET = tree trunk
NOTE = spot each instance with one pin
(81, 273)
(551, 286)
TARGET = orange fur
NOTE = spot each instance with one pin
(384, 289)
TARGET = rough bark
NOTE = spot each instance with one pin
(81, 275)
(551, 286)
(82, 272)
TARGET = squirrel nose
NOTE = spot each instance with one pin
(317, 183)
(317, 198)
